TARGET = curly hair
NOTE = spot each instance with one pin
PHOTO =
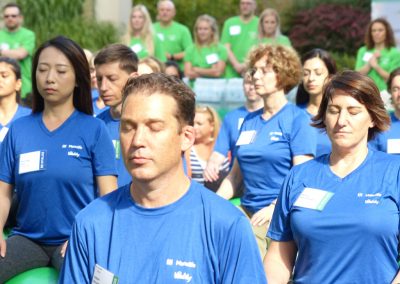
(284, 61)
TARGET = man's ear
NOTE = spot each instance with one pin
(187, 137)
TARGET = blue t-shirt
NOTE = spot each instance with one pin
(388, 141)
(266, 161)
(324, 145)
(200, 238)
(354, 238)
(21, 111)
(229, 132)
(113, 128)
(54, 172)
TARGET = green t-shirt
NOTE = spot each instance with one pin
(241, 37)
(21, 38)
(281, 40)
(175, 38)
(137, 45)
(388, 61)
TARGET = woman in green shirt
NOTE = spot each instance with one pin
(379, 56)
(141, 37)
(206, 57)
(269, 29)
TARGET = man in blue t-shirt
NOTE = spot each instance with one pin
(115, 64)
(161, 228)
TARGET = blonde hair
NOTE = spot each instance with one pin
(155, 65)
(146, 34)
(213, 119)
(269, 12)
(214, 27)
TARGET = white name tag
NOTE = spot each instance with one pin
(160, 36)
(212, 58)
(4, 46)
(103, 276)
(234, 30)
(393, 146)
(3, 133)
(240, 122)
(137, 47)
(32, 162)
(313, 198)
(246, 137)
(367, 56)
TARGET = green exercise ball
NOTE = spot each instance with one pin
(43, 275)
(235, 201)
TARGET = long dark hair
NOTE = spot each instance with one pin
(302, 96)
(82, 98)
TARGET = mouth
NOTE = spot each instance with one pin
(50, 90)
(139, 160)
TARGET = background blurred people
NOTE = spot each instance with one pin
(318, 67)
(225, 146)
(175, 36)
(239, 35)
(271, 140)
(172, 68)
(19, 43)
(140, 36)
(206, 57)
(206, 127)
(150, 65)
(269, 28)
(63, 166)
(379, 56)
(389, 141)
(340, 211)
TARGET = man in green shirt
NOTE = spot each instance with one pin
(175, 36)
(18, 43)
(239, 34)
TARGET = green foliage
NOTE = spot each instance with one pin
(49, 18)
(344, 61)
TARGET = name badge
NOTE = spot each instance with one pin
(313, 198)
(212, 58)
(4, 46)
(3, 133)
(246, 137)
(367, 56)
(137, 47)
(160, 36)
(393, 146)
(103, 276)
(234, 30)
(32, 162)
(117, 147)
(240, 122)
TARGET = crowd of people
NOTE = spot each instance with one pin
(114, 173)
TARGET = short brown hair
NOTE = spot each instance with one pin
(284, 61)
(128, 60)
(149, 84)
(361, 88)
(389, 40)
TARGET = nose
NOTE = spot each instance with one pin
(50, 76)
(342, 118)
(138, 138)
(257, 73)
(103, 84)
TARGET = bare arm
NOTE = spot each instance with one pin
(216, 70)
(279, 261)
(176, 56)
(365, 69)
(5, 204)
(396, 280)
(106, 184)
(299, 159)
(211, 172)
(239, 67)
(189, 71)
(18, 54)
(231, 183)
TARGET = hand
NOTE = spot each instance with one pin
(64, 249)
(262, 216)
(3, 247)
(211, 172)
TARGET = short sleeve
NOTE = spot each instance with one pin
(28, 42)
(222, 143)
(103, 153)
(186, 38)
(223, 53)
(303, 138)
(359, 59)
(189, 54)
(159, 51)
(280, 229)
(8, 159)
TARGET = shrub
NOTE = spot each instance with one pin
(334, 27)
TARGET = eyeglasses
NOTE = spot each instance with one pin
(11, 16)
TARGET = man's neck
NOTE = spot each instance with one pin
(247, 18)
(13, 30)
(166, 24)
(116, 111)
